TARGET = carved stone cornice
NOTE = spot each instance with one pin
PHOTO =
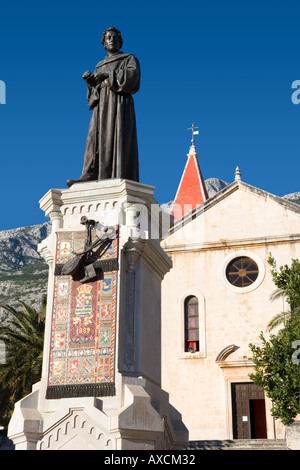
(45, 249)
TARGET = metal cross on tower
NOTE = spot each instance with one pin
(193, 132)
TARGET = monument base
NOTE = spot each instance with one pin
(144, 422)
(101, 379)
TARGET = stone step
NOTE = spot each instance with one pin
(239, 444)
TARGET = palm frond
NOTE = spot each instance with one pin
(23, 337)
(279, 319)
(277, 294)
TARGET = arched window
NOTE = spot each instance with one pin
(191, 322)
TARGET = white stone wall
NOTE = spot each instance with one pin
(244, 221)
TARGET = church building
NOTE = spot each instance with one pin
(216, 300)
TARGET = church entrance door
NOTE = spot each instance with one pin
(248, 411)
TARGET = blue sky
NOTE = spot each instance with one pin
(226, 65)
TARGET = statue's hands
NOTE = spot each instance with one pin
(94, 80)
(89, 78)
(101, 77)
(86, 75)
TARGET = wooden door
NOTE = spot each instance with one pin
(248, 411)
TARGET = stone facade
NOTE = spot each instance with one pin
(239, 221)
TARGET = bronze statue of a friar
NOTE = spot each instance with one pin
(111, 149)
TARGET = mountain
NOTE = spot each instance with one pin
(293, 197)
(18, 247)
(214, 185)
(23, 272)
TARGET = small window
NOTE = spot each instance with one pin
(242, 271)
(191, 324)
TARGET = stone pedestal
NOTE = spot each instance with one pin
(127, 409)
(292, 436)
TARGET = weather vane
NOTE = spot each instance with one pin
(193, 132)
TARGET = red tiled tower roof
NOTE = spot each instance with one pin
(192, 190)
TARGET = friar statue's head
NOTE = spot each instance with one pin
(112, 40)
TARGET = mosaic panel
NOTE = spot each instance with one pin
(82, 349)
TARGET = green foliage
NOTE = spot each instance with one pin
(287, 281)
(23, 337)
(277, 360)
(33, 272)
(277, 370)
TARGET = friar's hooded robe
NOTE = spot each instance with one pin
(111, 148)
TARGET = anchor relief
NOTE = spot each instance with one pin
(86, 264)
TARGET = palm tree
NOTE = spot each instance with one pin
(287, 281)
(23, 337)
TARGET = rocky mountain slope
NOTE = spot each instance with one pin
(214, 185)
(24, 274)
(293, 197)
